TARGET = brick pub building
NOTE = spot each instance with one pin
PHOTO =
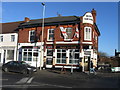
(67, 41)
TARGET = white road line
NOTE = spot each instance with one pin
(57, 86)
(29, 81)
(46, 84)
(23, 80)
(18, 86)
(3, 79)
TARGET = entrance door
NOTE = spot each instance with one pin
(49, 58)
(87, 63)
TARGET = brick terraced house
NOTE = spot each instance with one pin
(67, 41)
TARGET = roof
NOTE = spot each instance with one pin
(52, 20)
(96, 28)
(10, 27)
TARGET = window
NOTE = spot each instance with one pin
(12, 38)
(61, 56)
(87, 33)
(50, 34)
(10, 54)
(1, 38)
(69, 32)
(32, 36)
(29, 54)
(74, 56)
(49, 52)
(96, 38)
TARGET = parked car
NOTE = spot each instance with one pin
(115, 69)
(18, 66)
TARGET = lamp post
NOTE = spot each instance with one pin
(42, 35)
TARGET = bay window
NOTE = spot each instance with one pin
(87, 33)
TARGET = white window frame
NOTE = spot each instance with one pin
(12, 38)
(1, 38)
(30, 50)
(9, 55)
(49, 35)
(30, 35)
(74, 60)
(88, 38)
(61, 59)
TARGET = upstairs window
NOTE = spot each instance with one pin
(69, 32)
(32, 36)
(87, 33)
(12, 38)
(1, 38)
(50, 34)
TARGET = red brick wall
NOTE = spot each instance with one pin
(24, 33)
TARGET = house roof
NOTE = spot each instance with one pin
(10, 27)
(96, 28)
(52, 20)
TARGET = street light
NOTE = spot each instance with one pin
(42, 34)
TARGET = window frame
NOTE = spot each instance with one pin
(26, 57)
(12, 38)
(69, 32)
(87, 33)
(51, 34)
(61, 59)
(32, 35)
(1, 38)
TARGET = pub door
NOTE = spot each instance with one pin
(87, 63)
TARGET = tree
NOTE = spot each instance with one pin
(102, 54)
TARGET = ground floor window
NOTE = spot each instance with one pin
(61, 56)
(73, 56)
(10, 54)
(49, 61)
(29, 54)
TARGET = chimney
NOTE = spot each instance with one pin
(94, 15)
(26, 19)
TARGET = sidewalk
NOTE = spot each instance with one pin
(0, 64)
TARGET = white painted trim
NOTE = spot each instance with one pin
(74, 67)
(87, 42)
(49, 42)
(48, 66)
(74, 42)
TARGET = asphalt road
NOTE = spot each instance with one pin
(56, 79)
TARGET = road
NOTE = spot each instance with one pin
(55, 79)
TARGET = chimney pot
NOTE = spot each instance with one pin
(26, 19)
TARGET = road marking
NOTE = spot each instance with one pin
(32, 85)
(43, 84)
(23, 80)
(57, 86)
(29, 80)
(18, 86)
(3, 79)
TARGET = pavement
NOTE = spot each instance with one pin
(0, 64)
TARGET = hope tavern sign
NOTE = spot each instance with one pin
(88, 18)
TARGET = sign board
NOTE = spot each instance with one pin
(88, 18)
(87, 52)
(35, 48)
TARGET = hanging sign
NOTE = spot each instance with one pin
(88, 18)
(76, 33)
(64, 32)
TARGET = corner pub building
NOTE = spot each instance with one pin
(65, 41)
